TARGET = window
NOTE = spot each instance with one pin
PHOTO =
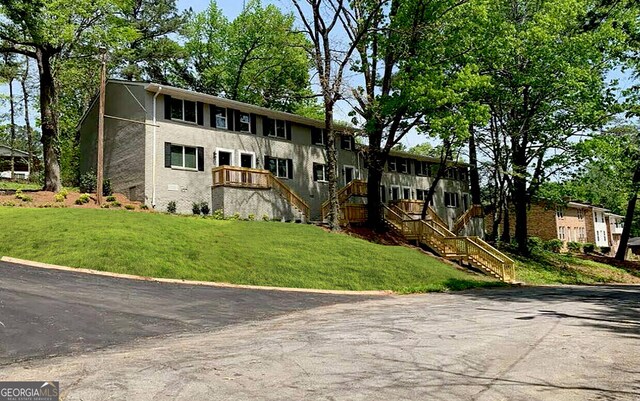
(183, 110)
(451, 173)
(383, 193)
(319, 172)
(244, 122)
(580, 214)
(346, 142)
(392, 164)
(403, 165)
(463, 174)
(317, 136)
(279, 129)
(184, 157)
(561, 233)
(219, 119)
(465, 201)
(421, 194)
(395, 193)
(423, 168)
(560, 213)
(451, 199)
(406, 193)
(281, 168)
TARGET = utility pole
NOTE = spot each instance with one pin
(100, 169)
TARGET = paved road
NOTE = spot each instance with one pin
(553, 343)
(48, 312)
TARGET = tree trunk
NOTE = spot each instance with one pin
(49, 124)
(374, 201)
(332, 169)
(520, 206)
(505, 237)
(474, 176)
(27, 122)
(628, 219)
(12, 128)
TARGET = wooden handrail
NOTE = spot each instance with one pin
(465, 218)
(354, 187)
(242, 177)
(436, 217)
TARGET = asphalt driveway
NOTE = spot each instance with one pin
(45, 313)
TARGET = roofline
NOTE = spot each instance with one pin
(95, 97)
(223, 102)
(614, 215)
(15, 150)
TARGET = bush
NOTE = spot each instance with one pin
(111, 198)
(171, 207)
(251, 217)
(204, 208)
(589, 248)
(88, 184)
(64, 193)
(18, 193)
(195, 208)
(218, 214)
(26, 198)
(553, 245)
(574, 247)
(105, 206)
(84, 198)
(59, 197)
(129, 207)
(236, 216)
(605, 249)
(535, 243)
(265, 217)
(144, 207)
(116, 204)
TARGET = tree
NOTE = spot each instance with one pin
(24, 85)
(548, 86)
(9, 73)
(319, 21)
(48, 31)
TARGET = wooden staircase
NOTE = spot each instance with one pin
(470, 250)
(349, 212)
(465, 218)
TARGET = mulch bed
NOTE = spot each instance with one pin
(41, 199)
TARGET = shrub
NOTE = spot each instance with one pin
(605, 249)
(195, 208)
(26, 198)
(129, 207)
(64, 193)
(18, 193)
(111, 198)
(59, 197)
(171, 207)
(204, 208)
(535, 243)
(8, 204)
(218, 214)
(105, 206)
(574, 247)
(251, 217)
(144, 207)
(553, 245)
(236, 216)
(265, 217)
(84, 198)
(79, 202)
(88, 184)
(116, 204)
(589, 248)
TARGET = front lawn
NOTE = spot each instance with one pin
(11, 185)
(240, 252)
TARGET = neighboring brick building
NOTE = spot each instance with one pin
(571, 222)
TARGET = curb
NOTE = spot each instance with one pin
(41, 265)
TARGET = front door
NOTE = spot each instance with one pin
(224, 158)
(349, 174)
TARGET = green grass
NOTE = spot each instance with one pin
(545, 267)
(240, 252)
(10, 185)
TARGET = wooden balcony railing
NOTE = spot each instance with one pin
(353, 188)
(232, 176)
(465, 218)
(410, 206)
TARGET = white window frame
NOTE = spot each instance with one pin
(351, 142)
(560, 213)
(183, 167)
(244, 152)
(226, 117)
(231, 151)
(286, 165)
(393, 160)
(195, 105)
(274, 133)
(406, 188)
(391, 192)
(404, 162)
(324, 172)
(344, 175)
(321, 143)
(248, 123)
(455, 196)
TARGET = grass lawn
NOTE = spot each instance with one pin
(240, 252)
(549, 268)
(10, 185)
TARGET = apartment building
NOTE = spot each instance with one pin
(166, 144)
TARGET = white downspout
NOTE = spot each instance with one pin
(153, 167)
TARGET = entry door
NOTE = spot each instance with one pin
(246, 160)
(349, 174)
(224, 158)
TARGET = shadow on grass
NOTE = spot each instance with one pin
(609, 308)
(453, 284)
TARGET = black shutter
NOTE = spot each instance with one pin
(383, 194)
(315, 172)
(266, 162)
(236, 122)
(200, 113)
(167, 107)
(287, 128)
(290, 168)
(267, 126)
(212, 115)
(254, 125)
(167, 154)
(315, 135)
(231, 119)
(200, 158)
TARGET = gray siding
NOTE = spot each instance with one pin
(124, 142)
